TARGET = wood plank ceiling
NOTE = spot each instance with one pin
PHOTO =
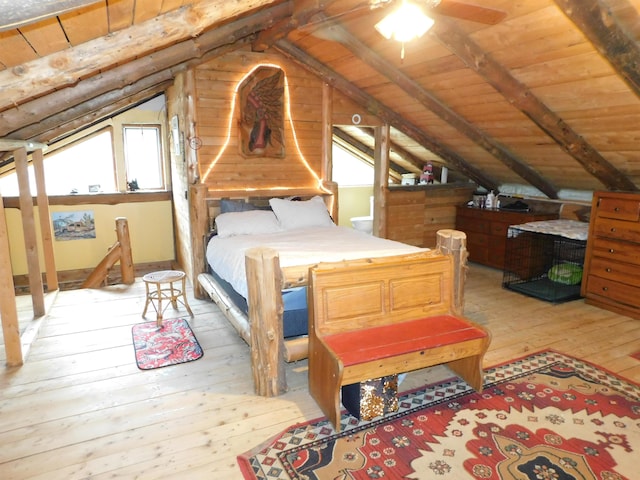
(546, 95)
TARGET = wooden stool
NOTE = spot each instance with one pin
(170, 293)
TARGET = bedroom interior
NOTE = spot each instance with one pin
(536, 102)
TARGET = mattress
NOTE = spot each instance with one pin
(306, 246)
(226, 260)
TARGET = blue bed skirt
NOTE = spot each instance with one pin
(295, 306)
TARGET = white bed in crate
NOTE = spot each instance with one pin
(257, 264)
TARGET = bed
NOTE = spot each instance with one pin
(257, 262)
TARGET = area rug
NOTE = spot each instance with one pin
(636, 355)
(547, 416)
(170, 344)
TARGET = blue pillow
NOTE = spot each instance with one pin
(230, 206)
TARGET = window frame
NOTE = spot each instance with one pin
(160, 148)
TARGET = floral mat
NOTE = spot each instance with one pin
(170, 344)
(544, 416)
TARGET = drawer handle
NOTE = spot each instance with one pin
(611, 250)
(604, 289)
(613, 229)
(617, 209)
(607, 269)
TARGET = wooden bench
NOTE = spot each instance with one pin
(384, 316)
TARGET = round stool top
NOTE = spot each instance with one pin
(163, 276)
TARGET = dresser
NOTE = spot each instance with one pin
(612, 259)
(486, 231)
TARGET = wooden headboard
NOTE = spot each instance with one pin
(204, 206)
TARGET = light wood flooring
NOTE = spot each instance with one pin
(80, 408)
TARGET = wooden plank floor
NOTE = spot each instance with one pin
(80, 408)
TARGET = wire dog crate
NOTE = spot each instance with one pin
(544, 259)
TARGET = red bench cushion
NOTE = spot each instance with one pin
(359, 346)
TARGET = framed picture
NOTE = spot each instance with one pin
(73, 225)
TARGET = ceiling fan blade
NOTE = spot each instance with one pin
(469, 11)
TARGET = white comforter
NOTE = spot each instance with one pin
(298, 247)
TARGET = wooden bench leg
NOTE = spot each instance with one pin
(470, 370)
(325, 380)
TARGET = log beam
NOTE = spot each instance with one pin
(381, 179)
(361, 51)
(64, 68)
(45, 223)
(126, 256)
(528, 103)
(159, 67)
(30, 235)
(8, 308)
(387, 114)
(368, 152)
(607, 36)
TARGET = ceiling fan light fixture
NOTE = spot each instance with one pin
(405, 23)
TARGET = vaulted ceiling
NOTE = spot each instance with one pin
(543, 93)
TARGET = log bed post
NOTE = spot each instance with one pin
(454, 243)
(264, 279)
(199, 217)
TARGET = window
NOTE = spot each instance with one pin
(83, 166)
(348, 170)
(143, 157)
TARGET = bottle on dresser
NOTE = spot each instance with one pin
(490, 202)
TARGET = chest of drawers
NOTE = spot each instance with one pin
(486, 231)
(611, 277)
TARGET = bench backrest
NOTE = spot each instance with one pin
(346, 296)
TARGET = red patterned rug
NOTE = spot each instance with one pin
(547, 416)
(170, 344)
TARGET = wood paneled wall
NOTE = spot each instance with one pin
(414, 215)
(221, 164)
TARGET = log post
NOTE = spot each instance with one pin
(126, 257)
(30, 237)
(8, 309)
(199, 215)
(454, 243)
(264, 279)
(45, 222)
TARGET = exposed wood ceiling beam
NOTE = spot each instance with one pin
(65, 68)
(159, 65)
(418, 163)
(303, 12)
(362, 52)
(607, 36)
(118, 105)
(8, 145)
(85, 113)
(366, 152)
(524, 99)
(373, 106)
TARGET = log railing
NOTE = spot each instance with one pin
(118, 252)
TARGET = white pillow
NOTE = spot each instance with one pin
(301, 214)
(251, 222)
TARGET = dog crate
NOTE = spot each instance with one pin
(545, 259)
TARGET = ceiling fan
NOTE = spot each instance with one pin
(463, 10)
(450, 8)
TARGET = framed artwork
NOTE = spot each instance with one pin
(261, 98)
(73, 225)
